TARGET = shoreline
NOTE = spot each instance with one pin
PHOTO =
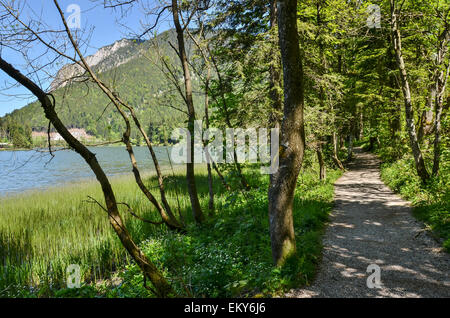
(89, 146)
(125, 177)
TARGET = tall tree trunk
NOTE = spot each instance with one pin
(322, 166)
(322, 94)
(275, 70)
(341, 141)
(162, 287)
(361, 126)
(441, 78)
(208, 164)
(336, 139)
(336, 160)
(284, 181)
(426, 120)
(350, 144)
(190, 169)
(410, 126)
(395, 120)
(440, 84)
(396, 126)
(437, 138)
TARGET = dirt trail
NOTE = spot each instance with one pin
(372, 225)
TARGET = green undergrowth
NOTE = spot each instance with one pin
(230, 255)
(227, 256)
(431, 201)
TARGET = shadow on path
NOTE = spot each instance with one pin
(372, 225)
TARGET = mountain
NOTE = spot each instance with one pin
(105, 59)
(127, 65)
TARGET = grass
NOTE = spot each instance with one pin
(42, 233)
(431, 201)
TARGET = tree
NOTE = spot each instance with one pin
(275, 69)
(48, 101)
(162, 288)
(19, 135)
(202, 47)
(410, 126)
(284, 181)
(190, 169)
(441, 75)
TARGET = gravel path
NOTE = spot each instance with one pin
(372, 225)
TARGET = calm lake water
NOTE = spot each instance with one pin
(27, 170)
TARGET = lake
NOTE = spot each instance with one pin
(28, 170)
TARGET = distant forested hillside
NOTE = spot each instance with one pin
(139, 81)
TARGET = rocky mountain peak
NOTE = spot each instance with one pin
(106, 58)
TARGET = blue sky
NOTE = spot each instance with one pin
(106, 30)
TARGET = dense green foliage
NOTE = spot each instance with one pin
(431, 201)
(16, 133)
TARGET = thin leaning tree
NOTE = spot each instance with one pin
(150, 271)
(126, 111)
(161, 287)
(406, 90)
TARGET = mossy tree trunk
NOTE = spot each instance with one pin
(284, 181)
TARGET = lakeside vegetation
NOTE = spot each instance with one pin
(14, 134)
(42, 233)
(39, 143)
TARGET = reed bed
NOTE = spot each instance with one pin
(43, 232)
